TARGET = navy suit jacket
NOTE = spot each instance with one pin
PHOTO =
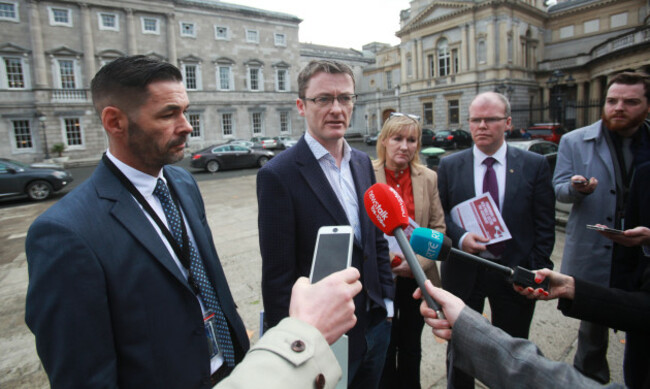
(106, 301)
(295, 199)
(528, 211)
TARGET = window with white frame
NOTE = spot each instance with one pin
(73, 132)
(618, 20)
(227, 124)
(60, 16)
(67, 74)
(453, 113)
(389, 80)
(481, 51)
(566, 32)
(192, 76)
(427, 110)
(13, 73)
(22, 135)
(444, 67)
(9, 11)
(108, 21)
(254, 76)
(221, 32)
(188, 29)
(225, 79)
(280, 40)
(252, 36)
(432, 65)
(195, 121)
(150, 25)
(257, 123)
(282, 80)
(285, 122)
(591, 26)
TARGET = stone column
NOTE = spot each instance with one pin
(502, 40)
(171, 38)
(463, 52)
(40, 74)
(491, 43)
(131, 44)
(419, 59)
(581, 102)
(88, 45)
(594, 98)
(546, 102)
(472, 46)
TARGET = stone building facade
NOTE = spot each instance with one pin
(239, 66)
(552, 63)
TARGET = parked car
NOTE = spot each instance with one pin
(218, 157)
(284, 142)
(551, 132)
(452, 139)
(245, 143)
(428, 137)
(542, 147)
(37, 181)
(371, 139)
(266, 141)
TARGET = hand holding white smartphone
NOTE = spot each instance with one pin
(604, 229)
(333, 251)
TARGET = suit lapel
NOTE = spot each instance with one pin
(361, 183)
(466, 169)
(128, 212)
(514, 168)
(417, 182)
(313, 174)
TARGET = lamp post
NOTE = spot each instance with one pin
(41, 118)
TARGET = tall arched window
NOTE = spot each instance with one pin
(443, 58)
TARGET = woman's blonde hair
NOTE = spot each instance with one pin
(395, 125)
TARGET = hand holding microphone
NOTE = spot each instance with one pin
(388, 212)
(434, 245)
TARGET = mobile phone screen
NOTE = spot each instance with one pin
(333, 253)
(605, 229)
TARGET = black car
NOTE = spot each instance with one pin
(452, 139)
(36, 181)
(428, 137)
(218, 157)
(542, 147)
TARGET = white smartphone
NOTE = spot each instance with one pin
(605, 229)
(333, 251)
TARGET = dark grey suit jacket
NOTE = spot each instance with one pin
(295, 199)
(528, 211)
(106, 301)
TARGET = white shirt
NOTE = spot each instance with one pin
(145, 184)
(479, 173)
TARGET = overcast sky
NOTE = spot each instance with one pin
(341, 23)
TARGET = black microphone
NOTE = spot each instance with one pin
(387, 211)
(434, 245)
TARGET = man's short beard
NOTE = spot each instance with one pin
(632, 124)
(148, 150)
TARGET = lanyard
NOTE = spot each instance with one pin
(183, 253)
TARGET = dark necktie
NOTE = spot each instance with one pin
(197, 274)
(490, 185)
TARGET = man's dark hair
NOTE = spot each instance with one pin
(123, 82)
(632, 78)
(317, 66)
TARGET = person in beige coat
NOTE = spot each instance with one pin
(398, 165)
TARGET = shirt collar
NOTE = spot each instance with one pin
(320, 152)
(500, 155)
(143, 182)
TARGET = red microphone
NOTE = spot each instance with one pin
(387, 210)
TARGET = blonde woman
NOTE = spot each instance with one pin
(398, 165)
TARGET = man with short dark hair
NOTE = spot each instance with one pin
(125, 286)
(519, 182)
(595, 165)
(321, 182)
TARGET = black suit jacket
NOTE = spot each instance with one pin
(528, 211)
(106, 301)
(295, 199)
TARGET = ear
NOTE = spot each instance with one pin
(300, 103)
(115, 121)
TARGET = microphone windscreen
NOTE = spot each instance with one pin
(386, 208)
(430, 244)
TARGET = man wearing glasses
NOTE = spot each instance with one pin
(321, 182)
(520, 184)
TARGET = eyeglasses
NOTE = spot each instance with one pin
(488, 121)
(325, 101)
(416, 118)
